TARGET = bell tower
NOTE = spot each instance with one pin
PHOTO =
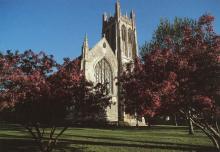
(120, 32)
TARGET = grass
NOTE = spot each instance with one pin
(14, 138)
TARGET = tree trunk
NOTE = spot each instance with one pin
(149, 122)
(175, 120)
(191, 128)
(211, 133)
(45, 145)
(217, 144)
(190, 123)
(137, 125)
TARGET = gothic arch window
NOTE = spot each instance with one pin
(130, 42)
(130, 36)
(124, 37)
(103, 74)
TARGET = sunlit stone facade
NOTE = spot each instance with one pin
(106, 60)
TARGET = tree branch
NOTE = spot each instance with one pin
(206, 131)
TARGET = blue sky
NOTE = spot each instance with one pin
(58, 26)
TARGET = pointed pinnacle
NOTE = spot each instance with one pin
(86, 38)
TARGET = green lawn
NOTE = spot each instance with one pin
(157, 139)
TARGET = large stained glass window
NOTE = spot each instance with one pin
(103, 74)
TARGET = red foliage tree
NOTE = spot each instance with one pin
(198, 89)
(184, 78)
(36, 96)
(147, 83)
(26, 96)
(88, 103)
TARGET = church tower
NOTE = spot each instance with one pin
(107, 59)
(120, 32)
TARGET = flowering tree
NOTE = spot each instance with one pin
(26, 95)
(181, 76)
(36, 96)
(199, 77)
(88, 102)
(150, 84)
(171, 36)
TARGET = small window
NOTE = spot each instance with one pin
(104, 45)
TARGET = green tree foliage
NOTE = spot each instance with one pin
(169, 31)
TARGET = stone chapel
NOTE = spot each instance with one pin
(107, 59)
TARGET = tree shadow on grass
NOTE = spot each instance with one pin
(17, 145)
(12, 143)
(65, 145)
(139, 141)
(9, 127)
(28, 145)
(145, 144)
(144, 128)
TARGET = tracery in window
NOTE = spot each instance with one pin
(103, 74)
